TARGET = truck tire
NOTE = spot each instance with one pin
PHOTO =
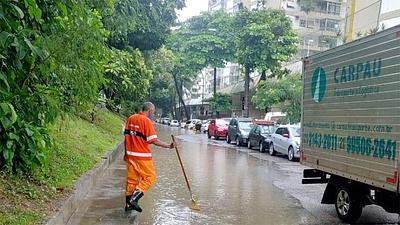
(348, 206)
(216, 137)
(271, 149)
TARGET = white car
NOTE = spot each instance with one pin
(190, 123)
(183, 124)
(286, 140)
(174, 123)
(204, 126)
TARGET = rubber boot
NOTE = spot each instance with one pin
(127, 204)
(134, 200)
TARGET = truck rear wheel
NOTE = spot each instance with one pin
(348, 206)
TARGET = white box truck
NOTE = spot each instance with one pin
(351, 123)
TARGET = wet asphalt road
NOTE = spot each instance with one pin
(235, 185)
(232, 185)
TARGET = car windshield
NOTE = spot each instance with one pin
(267, 129)
(296, 132)
(174, 121)
(221, 123)
(245, 125)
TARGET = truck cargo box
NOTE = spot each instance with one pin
(351, 110)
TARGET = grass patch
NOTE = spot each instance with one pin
(77, 146)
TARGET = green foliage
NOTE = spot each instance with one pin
(220, 102)
(161, 63)
(141, 24)
(209, 38)
(78, 146)
(127, 79)
(265, 39)
(284, 92)
(50, 57)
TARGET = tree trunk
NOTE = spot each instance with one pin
(176, 116)
(215, 81)
(217, 114)
(179, 92)
(263, 75)
(246, 89)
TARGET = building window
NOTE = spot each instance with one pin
(302, 23)
(333, 8)
(290, 5)
(329, 25)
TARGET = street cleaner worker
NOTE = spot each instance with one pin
(140, 173)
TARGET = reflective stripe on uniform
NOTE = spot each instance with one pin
(152, 137)
(139, 154)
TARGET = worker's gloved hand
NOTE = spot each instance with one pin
(172, 145)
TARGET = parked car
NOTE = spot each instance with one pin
(238, 130)
(218, 128)
(205, 125)
(165, 121)
(260, 135)
(174, 123)
(191, 123)
(286, 140)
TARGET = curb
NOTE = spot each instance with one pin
(82, 186)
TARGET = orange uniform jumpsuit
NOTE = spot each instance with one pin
(140, 172)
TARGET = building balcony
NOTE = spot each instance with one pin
(314, 32)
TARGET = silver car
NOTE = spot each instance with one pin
(286, 140)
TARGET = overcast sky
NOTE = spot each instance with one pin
(193, 8)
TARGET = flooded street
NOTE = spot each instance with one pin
(235, 186)
(231, 188)
(232, 185)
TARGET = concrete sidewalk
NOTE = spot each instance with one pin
(105, 203)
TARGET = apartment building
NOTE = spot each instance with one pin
(230, 6)
(368, 16)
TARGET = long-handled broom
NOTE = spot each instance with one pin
(194, 205)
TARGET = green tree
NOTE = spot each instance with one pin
(220, 102)
(141, 24)
(209, 37)
(284, 92)
(127, 79)
(264, 41)
(52, 56)
(186, 66)
(161, 63)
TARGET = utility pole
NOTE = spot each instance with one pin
(246, 89)
(215, 81)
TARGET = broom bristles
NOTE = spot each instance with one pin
(194, 205)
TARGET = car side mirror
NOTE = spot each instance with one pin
(286, 135)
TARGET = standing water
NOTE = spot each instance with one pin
(230, 187)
